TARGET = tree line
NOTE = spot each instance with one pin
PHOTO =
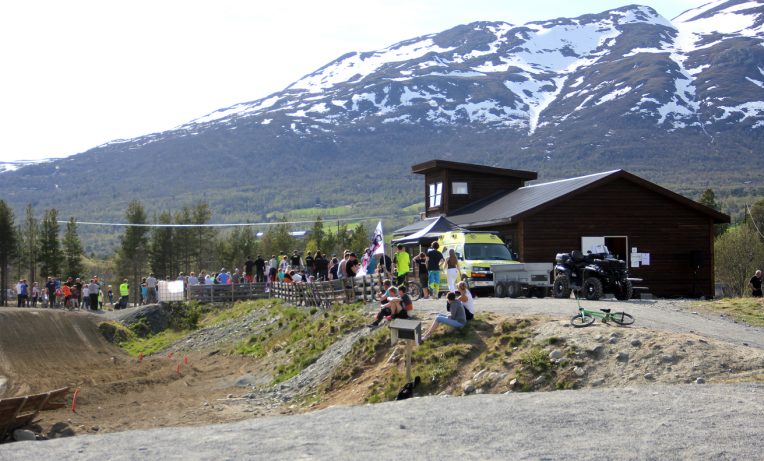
(35, 248)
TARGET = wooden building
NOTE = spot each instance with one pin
(665, 238)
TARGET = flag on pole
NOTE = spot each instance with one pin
(376, 247)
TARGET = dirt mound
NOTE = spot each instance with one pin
(43, 349)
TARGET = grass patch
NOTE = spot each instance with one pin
(298, 336)
(747, 310)
(238, 310)
(152, 344)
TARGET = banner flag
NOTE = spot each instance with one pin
(377, 247)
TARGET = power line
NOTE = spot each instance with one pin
(367, 218)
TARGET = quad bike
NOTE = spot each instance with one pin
(591, 276)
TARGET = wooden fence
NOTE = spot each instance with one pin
(317, 294)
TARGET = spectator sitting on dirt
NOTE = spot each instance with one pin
(297, 277)
(385, 292)
(288, 277)
(406, 302)
(456, 318)
(464, 295)
(392, 309)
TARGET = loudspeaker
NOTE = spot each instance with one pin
(696, 258)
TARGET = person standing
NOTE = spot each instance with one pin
(452, 269)
(259, 269)
(94, 291)
(755, 284)
(151, 289)
(434, 260)
(402, 265)
(421, 265)
(124, 294)
(35, 294)
(50, 285)
(249, 269)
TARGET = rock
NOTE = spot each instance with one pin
(648, 376)
(21, 435)
(612, 340)
(513, 383)
(59, 430)
(112, 332)
(598, 338)
(668, 358)
(479, 374)
(230, 396)
(622, 357)
(468, 387)
(555, 354)
(539, 380)
(700, 381)
(149, 319)
(578, 371)
(636, 342)
(598, 382)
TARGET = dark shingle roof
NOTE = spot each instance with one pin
(511, 204)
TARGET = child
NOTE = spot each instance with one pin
(393, 309)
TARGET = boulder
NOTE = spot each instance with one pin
(146, 320)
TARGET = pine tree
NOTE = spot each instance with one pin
(132, 254)
(161, 247)
(73, 266)
(30, 232)
(8, 241)
(49, 250)
(204, 236)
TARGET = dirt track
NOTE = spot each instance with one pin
(44, 349)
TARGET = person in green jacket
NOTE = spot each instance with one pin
(124, 294)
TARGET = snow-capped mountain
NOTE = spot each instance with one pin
(625, 88)
(525, 77)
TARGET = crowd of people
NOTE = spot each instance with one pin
(74, 293)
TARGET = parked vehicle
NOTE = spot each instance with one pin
(591, 275)
(522, 279)
(477, 252)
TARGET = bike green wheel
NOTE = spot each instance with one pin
(580, 321)
(622, 318)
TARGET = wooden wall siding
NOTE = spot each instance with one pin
(480, 186)
(652, 223)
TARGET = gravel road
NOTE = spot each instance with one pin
(656, 422)
(671, 315)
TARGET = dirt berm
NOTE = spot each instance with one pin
(38, 347)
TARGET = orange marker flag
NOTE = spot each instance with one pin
(185, 359)
(74, 400)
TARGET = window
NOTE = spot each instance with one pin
(459, 188)
(436, 193)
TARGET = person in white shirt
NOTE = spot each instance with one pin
(151, 288)
(464, 295)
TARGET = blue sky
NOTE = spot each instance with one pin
(83, 72)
